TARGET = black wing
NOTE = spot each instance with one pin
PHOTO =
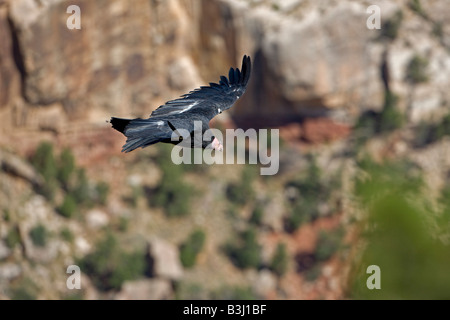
(213, 99)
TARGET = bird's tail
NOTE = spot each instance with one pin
(140, 132)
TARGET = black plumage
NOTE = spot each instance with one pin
(178, 115)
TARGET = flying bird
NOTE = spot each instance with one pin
(177, 116)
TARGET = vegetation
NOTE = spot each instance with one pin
(66, 167)
(109, 265)
(24, 289)
(311, 191)
(390, 28)
(13, 237)
(430, 133)
(44, 162)
(69, 207)
(399, 234)
(390, 118)
(191, 248)
(61, 172)
(328, 243)
(242, 192)
(67, 235)
(39, 235)
(257, 214)
(416, 6)
(417, 69)
(172, 194)
(280, 260)
(374, 123)
(245, 252)
(234, 293)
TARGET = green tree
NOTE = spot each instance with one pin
(66, 167)
(172, 194)
(242, 192)
(109, 266)
(280, 259)
(191, 248)
(417, 69)
(69, 207)
(245, 252)
(39, 235)
(44, 161)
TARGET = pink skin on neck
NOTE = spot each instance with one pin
(216, 145)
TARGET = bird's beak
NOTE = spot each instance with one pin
(216, 145)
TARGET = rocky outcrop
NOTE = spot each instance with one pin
(311, 59)
(164, 260)
(149, 289)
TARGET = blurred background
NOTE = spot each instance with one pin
(364, 159)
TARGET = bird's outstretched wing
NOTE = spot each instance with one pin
(213, 99)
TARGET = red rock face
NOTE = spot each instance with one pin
(322, 130)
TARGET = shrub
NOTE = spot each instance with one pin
(123, 224)
(102, 192)
(416, 6)
(429, 133)
(109, 266)
(328, 244)
(245, 252)
(13, 237)
(242, 192)
(313, 273)
(44, 162)
(66, 167)
(311, 191)
(390, 118)
(69, 206)
(81, 192)
(191, 248)
(39, 235)
(417, 69)
(257, 215)
(304, 211)
(280, 260)
(390, 27)
(67, 235)
(25, 289)
(234, 293)
(172, 194)
(438, 30)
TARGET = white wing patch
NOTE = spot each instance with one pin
(188, 107)
(174, 107)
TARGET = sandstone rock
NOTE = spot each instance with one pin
(183, 75)
(4, 250)
(97, 219)
(263, 283)
(148, 289)
(274, 213)
(18, 167)
(164, 259)
(9, 271)
(322, 130)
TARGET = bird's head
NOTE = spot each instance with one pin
(216, 145)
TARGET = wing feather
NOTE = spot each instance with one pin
(208, 99)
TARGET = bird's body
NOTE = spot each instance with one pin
(182, 116)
